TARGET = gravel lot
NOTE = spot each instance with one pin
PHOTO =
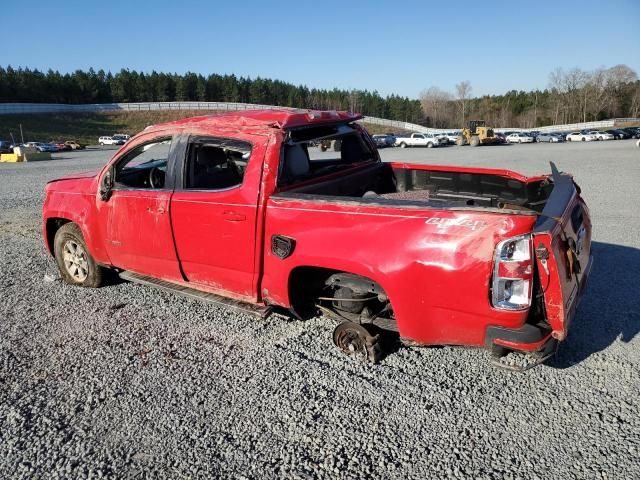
(126, 381)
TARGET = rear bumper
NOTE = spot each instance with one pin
(531, 338)
(535, 343)
(528, 338)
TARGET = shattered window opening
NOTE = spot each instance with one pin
(216, 164)
(145, 166)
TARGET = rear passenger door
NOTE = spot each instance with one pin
(214, 212)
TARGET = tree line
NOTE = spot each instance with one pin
(27, 85)
(571, 96)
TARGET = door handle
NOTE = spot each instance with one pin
(231, 216)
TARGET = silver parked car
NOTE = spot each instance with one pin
(550, 137)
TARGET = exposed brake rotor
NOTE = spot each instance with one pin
(356, 340)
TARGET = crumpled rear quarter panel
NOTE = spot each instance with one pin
(435, 265)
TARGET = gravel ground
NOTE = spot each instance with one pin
(126, 381)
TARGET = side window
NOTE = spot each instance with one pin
(145, 166)
(216, 164)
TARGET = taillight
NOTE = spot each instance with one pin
(512, 274)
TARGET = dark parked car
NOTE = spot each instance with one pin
(502, 138)
(618, 134)
(6, 147)
(383, 141)
(562, 135)
(633, 131)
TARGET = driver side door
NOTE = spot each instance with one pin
(139, 236)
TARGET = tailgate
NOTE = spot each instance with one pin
(562, 243)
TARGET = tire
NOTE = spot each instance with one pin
(460, 141)
(429, 145)
(403, 145)
(77, 267)
(583, 139)
(101, 144)
(475, 141)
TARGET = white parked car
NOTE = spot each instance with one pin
(603, 135)
(110, 141)
(452, 137)
(581, 137)
(519, 138)
(419, 140)
(444, 139)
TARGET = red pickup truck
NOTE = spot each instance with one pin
(246, 210)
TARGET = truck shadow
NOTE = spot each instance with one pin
(610, 307)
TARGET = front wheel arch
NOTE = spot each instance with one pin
(52, 226)
(76, 264)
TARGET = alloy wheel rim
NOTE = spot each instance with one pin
(75, 260)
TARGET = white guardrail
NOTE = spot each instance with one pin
(17, 108)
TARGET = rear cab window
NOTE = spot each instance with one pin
(313, 152)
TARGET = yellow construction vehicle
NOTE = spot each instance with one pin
(477, 133)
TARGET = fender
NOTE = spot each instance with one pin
(74, 201)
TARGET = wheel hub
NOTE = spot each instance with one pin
(354, 340)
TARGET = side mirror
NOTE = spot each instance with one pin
(106, 185)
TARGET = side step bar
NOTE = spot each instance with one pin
(243, 307)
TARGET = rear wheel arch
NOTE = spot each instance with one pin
(306, 284)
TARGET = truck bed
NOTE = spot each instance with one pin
(426, 186)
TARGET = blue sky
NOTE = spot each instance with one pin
(393, 47)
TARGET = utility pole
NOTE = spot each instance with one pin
(21, 135)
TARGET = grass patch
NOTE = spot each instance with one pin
(626, 124)
(87, 127)
(84, 127)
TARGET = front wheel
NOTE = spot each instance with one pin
(76, 265)
(403, 145)
(429, 145)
